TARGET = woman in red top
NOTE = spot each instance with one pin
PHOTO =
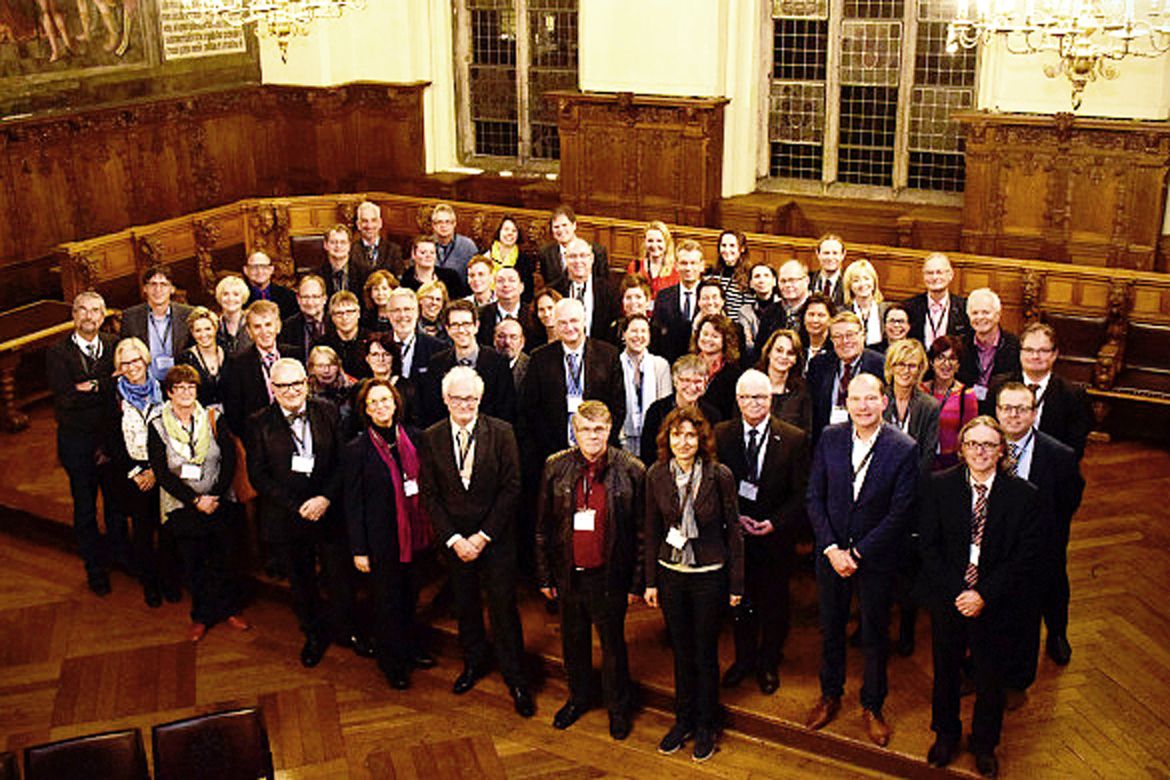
(657, 260)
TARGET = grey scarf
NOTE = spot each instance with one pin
(688, 487)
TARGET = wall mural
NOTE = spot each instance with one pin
(52, 35)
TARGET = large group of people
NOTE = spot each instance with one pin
(673, 439)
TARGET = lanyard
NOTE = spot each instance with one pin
(299, 440)
(462, 451)
(165, 338)
(936, 324)
(865, 461)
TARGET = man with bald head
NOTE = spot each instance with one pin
(793, 286)
(860, 497)
(507, 305)
(371, 248)
(593, 289)
(936, 312)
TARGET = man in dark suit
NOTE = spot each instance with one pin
(422, 269)
(507, 304)
(258, 273)
(589, 518)
(160, 323)
(979, 544)
(509, 342)
(792, 283)
(1062, 409)
(595, 291)
(826, 280)
(860, 496)
(294, 455)
(990, 354)
(769, 459)
(677, 306)
(347, 337)
(372, 249)
(245, 377)
(79, 369)
(339, 271)
(563, 225)
(461, 320)
(470, 474)
(415, 350)
(830, 372)
(1052, 467)
(309, 326)
(936, 312)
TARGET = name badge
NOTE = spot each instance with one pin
(574, 402)
(974, 557)
(164, 362)
(748, 491)
(191, 471)
(410, 488)
(839, 415)
(676, 539)
(980, 392)
(583, 519)
(302, 464)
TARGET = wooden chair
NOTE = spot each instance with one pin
(229, 745)
(8, 767)
(114, 755)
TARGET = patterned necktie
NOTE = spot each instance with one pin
(978, 520)
(1012, 462)
(846, 376)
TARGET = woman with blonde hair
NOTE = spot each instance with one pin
(231, 293)
(657, 260)
(864, 297)
(205, 354)
(432, 299)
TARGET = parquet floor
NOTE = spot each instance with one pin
(72, 664)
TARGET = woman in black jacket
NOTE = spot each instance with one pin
(387, 530)
(694, 567)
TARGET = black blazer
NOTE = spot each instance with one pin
(607, 307)
(552, 270)
(1006, 364)
(544, 418)
(282, 296)
(134, 323)
(1067, 416)
(389, 255)
(489, 503)
(838, 295)
(720, 538)
(65, 367)
(270, 451)
(656, 414)
(783, 474)
(533, 330)
(295, 341)
(456, 287)
(821, 382)
(1008, 556)
(720, 392)
(244, 390)
(499, 389)
(921, 424)
(794, 406)
(353, 359)
(918, 309)
(1056, 473)
(209, 384)
(370, 507)
(355, 280)
(670, 332)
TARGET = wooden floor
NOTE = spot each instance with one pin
(71, 664)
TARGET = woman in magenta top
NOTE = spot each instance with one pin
(957, 404)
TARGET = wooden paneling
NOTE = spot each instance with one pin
(1065, 189)
(641, 157)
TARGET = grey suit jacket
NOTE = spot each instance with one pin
(921, 425)
(134, 324)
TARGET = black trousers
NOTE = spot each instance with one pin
(951, 636)
(585, 603)
(78, 453)
(395, 588)
(693, 605)
(494, 574)
(301, 553)
(155, 558)
(874, 589)
(761, 621)
(204, 545)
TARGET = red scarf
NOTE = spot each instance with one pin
(414, 528)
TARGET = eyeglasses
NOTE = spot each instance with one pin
(848, 335)
(1014, 408)
(288, 385)
(460, 325)
(981, 446)
(184, 388)
(1037, 350)
(907, 366)
(347, 312)
(466, 400)
(130, 362)
(759, 399)
(946, 359)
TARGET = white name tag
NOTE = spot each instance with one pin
(164, 362)
(980, 392)
(974, 557)
(410, 488)
(302, 464)
(839, 415)
(574, 402)
(676, 539)
(583, 519)
(191, 471)
(748, 490)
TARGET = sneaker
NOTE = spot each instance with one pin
(674, 739)
(704, 745)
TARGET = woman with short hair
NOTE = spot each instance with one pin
(231, 293)
(864, 296)
(205, 354)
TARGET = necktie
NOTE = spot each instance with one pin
(294, 417)
(92, 351)
(338, 280)
(574, 374)
(1012, 462)
(687, 305)
(1035, 388)
(464, 449)
(978, 520)
(846, 376)
(269, 358)
(753, 455)
(465, 361)
(373, 254)
(579, 291)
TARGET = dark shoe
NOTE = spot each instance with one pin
(522, 701)
(313, 651)
(421, 659)
(942, 752)
(1058, 647)
(361, 645)
(173, 595)
(769, 681)
(905, 646)
(619, 726)
(196, 632)
(735, 674)
(855, 637)
(674, 739)
(566, 716)
(1014, 698)
(99, 583)
(704, 745)
(986, 764)
(876, 728)
(822, 713)
(467, 679)
(397, 675)
(152, 597)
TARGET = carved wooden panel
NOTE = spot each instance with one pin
(641, 157)
(1065, 189)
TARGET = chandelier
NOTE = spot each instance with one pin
(280, 20)
(1087, 36)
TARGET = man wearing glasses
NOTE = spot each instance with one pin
(980, 546)
(461, 319)
(258, 272)
(793, 284)
(294, 451)
(159, 322)
(348, 337)
(1062, 410)
(830, 372)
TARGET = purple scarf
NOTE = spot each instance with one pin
(414, 535)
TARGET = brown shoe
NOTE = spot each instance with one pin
(876, 728)
(239, 623)
(822, 712)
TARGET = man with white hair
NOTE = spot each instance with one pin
(936, 312)
(990, 354)
(593, 289)
(372, 249)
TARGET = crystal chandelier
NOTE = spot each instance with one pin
(277, 19)
(1088, 36)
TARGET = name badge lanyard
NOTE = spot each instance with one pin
(165, 338)
(299, 439)
(864, 462)
(462, 451)
(936, 324)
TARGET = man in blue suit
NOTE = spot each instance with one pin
(830, 372)
(860, 500)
